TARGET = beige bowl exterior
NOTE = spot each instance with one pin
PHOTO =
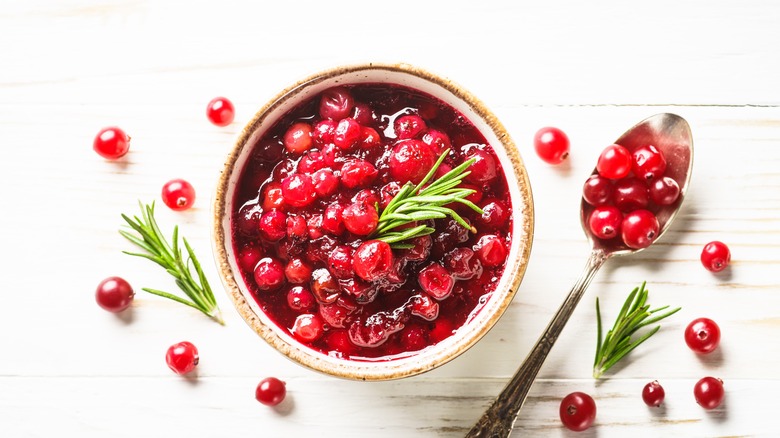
(478, 324)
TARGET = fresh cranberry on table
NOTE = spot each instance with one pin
(220, 111)
(270, 391)
(715, 256)
(111, 143)
(114, 294)
(178, 194)
(709, 392)
(182, 357)
(551, 144)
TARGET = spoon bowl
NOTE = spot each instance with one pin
(671, 134)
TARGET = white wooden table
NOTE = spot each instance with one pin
(70, 67)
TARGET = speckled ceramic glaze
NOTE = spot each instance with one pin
(465, 336)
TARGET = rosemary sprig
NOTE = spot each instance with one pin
(170, 257)
(419, 203)
(632, 317)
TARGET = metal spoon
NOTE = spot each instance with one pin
(671, 134)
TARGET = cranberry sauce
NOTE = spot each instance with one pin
(307, 209)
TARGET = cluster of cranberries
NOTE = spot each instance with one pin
(308, 208)
(625, 190)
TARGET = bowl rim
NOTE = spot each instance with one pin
(367, 370)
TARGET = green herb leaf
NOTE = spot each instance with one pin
(425, 201)
(156, 248)
(617, 343)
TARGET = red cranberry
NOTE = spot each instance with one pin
(323, 131)
(182, 357)
(369, 138)
(178, 194)
(605, 222)
(420, 250)
(648, 163)
(597, 190)
(437, 140)
(363, 114)
(220, 111)
(410, 161)
(363, 291)
(664, 191)
(269, 274)
(269, 150)
(336, 103)
(484, 169)
(630, 194)
(495, 214)
(297, 227)
(298, 139)
(348, 132)
(715, 256)
(298, 190)
(288, 249)
(270, 391)
(314, 224)
(273, 225)
(388, 192)
(375, 330)
(639, 229)
(248, 257)
(324, 287)
(709, 392)
(424, 306)
(614, 162)
(491, 250)
(436, 281)
(360, 218)
(367, 196)
(308, 327)
(318, 249)
(340, 262)
(372, 260)
(114, 294)
(325, 182)
(311, 162)
(111, 143)
(357, 173)
(248, 221)
(331, 154)
(409, 126)
(331, 219)
(283, 169)
(300, 299)
(462, 264)
(273, 198)
(551, 144)
(297, 271)
(653, 394)
(334, 315)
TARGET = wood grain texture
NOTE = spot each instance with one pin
(68, 68)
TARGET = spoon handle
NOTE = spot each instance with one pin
(499, 418)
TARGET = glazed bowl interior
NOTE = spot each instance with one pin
(495, 303)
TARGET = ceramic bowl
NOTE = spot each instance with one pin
(467, 335)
